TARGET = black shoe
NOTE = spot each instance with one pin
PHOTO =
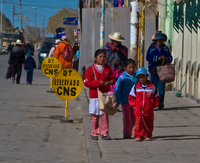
(94, 137)
(161, 106)
(127, 137)
(105, 137)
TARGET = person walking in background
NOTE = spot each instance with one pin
(77, 60)
(29, 67)
(76, 56)
(157, 53)
(17, 58)
(9, 49)
(105, 78)
(116, 54)
(51, 52)
(143, 98)
(64, 53)
(122, 89)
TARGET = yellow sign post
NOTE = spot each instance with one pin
(50, 67)
(67, 84)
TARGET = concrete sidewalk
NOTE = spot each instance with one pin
(176, 135)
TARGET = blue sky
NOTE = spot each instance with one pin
(39, 10)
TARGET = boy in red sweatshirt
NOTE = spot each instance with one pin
(143, 98)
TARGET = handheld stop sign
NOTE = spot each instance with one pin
(50, 67)
(67, 84)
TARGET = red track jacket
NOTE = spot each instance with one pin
(105, 75)
(144, 100)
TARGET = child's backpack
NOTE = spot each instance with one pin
(67, 53)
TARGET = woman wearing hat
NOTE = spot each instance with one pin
(17, 58)
(116, 54)
(157, 53)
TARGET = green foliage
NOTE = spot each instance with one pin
(56, 21)
(7, 26)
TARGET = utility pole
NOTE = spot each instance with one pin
(20, 27)
(43, 32)
(102, 25)
(35, 22)
(1, 16)
(1, 22)
(13, 24)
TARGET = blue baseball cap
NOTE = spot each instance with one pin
(141, 70)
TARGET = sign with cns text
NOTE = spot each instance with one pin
(67, 84)
(50, 66)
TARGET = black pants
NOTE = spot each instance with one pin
(17, 69)
(29, 77)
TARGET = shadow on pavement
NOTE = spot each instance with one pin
(177, 126)
(177, 108)
(177, 137)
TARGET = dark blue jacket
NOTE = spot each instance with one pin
(153, 53)
(29, 63)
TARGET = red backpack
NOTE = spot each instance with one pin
(67, 53)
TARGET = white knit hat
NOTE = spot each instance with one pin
(57, 41)
(64, 37)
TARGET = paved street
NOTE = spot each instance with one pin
(30, 130)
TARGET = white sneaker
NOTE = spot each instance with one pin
(138, 139)
(148, 139)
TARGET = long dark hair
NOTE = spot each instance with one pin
(99, 51)
(128, 61)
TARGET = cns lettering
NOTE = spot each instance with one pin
(51, 71)
(69, 91)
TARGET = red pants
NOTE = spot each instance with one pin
(128, 119)
(143, 127)
(104, 124)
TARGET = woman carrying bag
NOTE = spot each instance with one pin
(157, 54)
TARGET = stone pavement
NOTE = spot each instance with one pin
(30, 128)
(176, 135)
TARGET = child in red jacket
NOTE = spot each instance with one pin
(105, 78)
(143, 98)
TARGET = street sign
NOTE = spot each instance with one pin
(70, 21)
(75, 32)
(67, 84)
(51, 66)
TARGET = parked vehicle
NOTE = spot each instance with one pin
(9, 37)
(44, 51)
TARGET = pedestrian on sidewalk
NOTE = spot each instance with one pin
(122, 89)
(17, 58)
(105, 78)
(64, 53)
(51, 52)
(155, 53)
(143, 98)
(116, 54)
(29, 67)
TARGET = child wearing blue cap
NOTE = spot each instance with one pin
(143, 98)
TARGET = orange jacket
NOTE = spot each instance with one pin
(58, 54)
